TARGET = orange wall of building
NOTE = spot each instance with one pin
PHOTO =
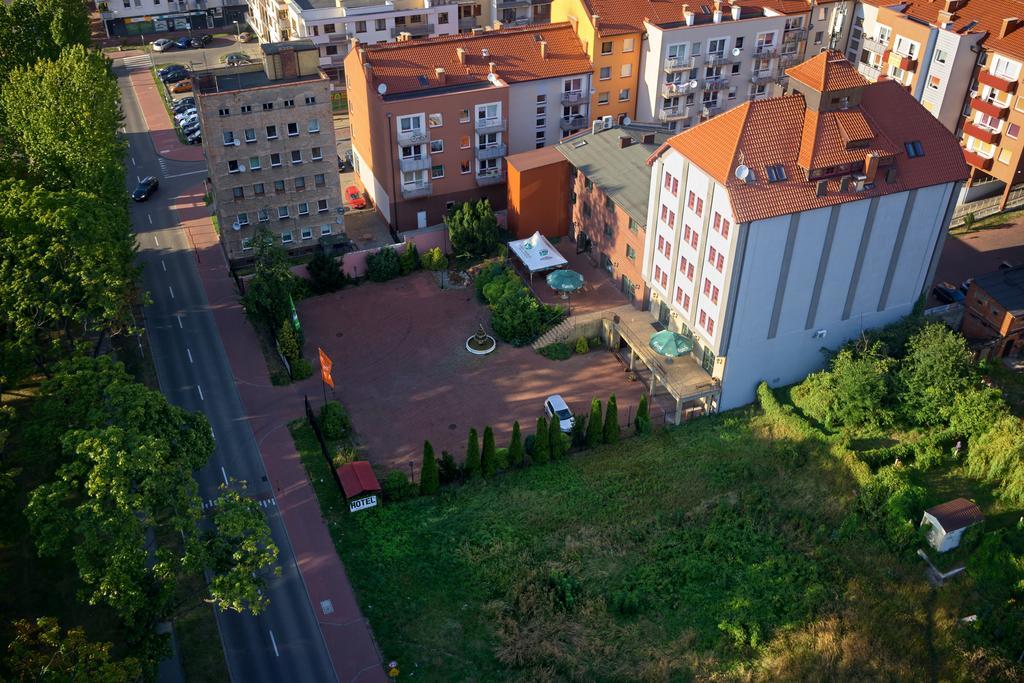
(538, 199)
(574, 11)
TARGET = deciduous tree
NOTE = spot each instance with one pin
(43, 651)
(267, 297)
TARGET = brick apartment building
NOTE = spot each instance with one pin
(433, 119)
(994, 311)
(611, 184)
(269, 142)
(791, 224)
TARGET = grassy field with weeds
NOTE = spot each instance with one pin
(727, 549)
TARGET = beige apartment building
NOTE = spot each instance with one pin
(433, 119)
(270, 148)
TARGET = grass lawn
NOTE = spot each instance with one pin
(726, 549)
(998, 220)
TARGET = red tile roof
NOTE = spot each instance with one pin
(973, 16)
(357, 478)
(956, 514)
(826, 72)
(409, 66)
(781, 131)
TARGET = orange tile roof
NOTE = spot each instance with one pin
(409, 66)
(778, 131)
(827, 147)
(854, 125)
(627, 16)
(974, 16)
(826, 72)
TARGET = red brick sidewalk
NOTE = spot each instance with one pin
(349, 640)
(161, 130)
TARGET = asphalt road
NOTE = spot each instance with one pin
(284, 642)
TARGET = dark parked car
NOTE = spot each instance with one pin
(196, 138)
(146, 187)
(236, 59)
(947, 293)
(202, 41)
(169, 68)
(175, 76)
(183, 104)
(183, 43)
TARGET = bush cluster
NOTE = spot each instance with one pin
(384, 265)
(434, 259)
(473, 229)
(516, 315)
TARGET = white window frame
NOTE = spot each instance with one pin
(286, 234)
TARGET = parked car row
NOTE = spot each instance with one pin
(164, 44)
(186, 118)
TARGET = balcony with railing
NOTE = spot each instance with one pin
(676, 89)
(875, 45)
(869, 72)
(495, 151)
(716, 84)
(907, 63)
(575, 122)
(989, 107)
(794, 35)
(572, 97)
(766, 51)
(493, 125)
(423, 188)
(981, 133)
(760, 78)
(998, 82)
(978, 161)
(675, 113)
(413, 136)
(416, 30)
(714, 59)
(490, 177)
(337, 37)
(710, 109)
(673, 64)
(417, 162)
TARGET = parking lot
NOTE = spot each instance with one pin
(402, 370)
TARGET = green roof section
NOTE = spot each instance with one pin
(615, 159)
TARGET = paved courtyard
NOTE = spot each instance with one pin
(401, 369)
(980, 253)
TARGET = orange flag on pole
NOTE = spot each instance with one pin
(325, 368)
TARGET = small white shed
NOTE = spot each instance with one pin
(948, 522)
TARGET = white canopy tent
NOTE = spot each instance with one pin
(537, 254)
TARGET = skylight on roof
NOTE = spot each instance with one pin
(914, 149)
(578, 144)
(423, 80)
(776, 173)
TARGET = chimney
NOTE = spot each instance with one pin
(953, 5)
(460, 52)
(354, 43)
(870, 167)
(1008, 26)
(368, 70)
(439, 72)
(492, 67)
(362, 55)
(543, 49)
(821, 189)
(717, 16)
(945, 19)
(648, 138)
(844, 183)
(625, 141)
(736, 11)
(687, 15)
(597, 21)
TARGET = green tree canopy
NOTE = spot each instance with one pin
(473, 228)
(937, 367)
(267, 297)
(42, 651)
(62, 121)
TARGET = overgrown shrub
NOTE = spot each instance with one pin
(324, 273)
(582, 346)
(877, 458)
(434, 259)
(334, 421)
(396, 487)
(997, 456)
(448, 469)
(301, 369)
(429, 475)
(861, 387)
(975, 410)
(893, 505)
(343, 455)
(938, 366)
(409, 260)
(383, 266)
(556, 351)
(473, 228)
(515, 447)
(288, 342)
(516, 315)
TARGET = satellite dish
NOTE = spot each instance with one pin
(742, 172)
(241, 168)
(237, 142)
(382, 88)
(692, 84)
(736, 52)
(493, 78)
(626, 121)
(236, 226)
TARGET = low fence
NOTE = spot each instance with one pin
(353, 263)
(983, 208)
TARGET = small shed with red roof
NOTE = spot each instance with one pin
(359, 484)
(948, 522)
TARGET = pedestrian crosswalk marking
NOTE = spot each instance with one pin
(264, 503)
(138, 62)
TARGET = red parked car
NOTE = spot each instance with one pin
(354, 197)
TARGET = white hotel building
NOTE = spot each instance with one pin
(789, 225)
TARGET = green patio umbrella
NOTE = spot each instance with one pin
(671, 344)
(565, 280)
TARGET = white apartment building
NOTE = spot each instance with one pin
(508, 13)
(153, 17)
(791, 224)
(331, 24)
